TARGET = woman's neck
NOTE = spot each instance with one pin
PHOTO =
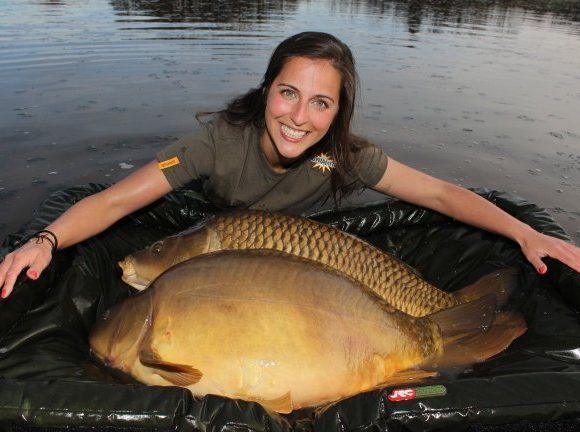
(276, 161)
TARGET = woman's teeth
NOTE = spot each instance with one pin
(292, 133)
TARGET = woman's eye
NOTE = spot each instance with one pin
(320, 104)
(288, 94)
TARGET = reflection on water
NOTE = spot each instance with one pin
(237, 12)
(481, 93)
(439, 12)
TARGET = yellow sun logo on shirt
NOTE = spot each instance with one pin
(323, 162)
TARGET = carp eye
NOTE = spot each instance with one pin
(157, 247)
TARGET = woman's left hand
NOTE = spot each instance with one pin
(536, 246)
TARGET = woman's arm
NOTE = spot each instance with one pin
(410, 185)
(86, 218)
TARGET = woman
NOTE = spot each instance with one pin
(284, 146)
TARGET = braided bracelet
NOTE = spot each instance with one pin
(42, 235)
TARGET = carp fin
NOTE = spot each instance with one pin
(182, 379)
(282, 404)
(501, 283)
(507, 327)
(404, 377)
(178, 374)
(465, 319)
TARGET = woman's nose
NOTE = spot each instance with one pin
(299, 114)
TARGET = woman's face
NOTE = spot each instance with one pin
(302, 102)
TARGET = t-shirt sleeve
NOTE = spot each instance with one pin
(190, 158)
(370, 164)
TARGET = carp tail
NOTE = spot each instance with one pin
(500, 283)
(465, 320)
(478, 347)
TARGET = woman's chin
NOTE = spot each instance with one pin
(291, 150)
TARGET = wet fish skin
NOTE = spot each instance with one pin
(260, 326)
(116, 336)
(388, 277)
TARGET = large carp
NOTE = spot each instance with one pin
(388, 277)
(283, 331)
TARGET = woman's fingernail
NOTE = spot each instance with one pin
(3, 294)
(543, 270)
(32, 274)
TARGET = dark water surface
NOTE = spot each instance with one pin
(484, 94)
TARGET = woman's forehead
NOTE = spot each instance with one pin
(311, 76)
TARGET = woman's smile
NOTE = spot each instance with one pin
(290, 134)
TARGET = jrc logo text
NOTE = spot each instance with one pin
(402, 394)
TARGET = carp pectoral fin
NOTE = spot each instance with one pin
(505, 329)
(500, 283)
(182, 379)
(282, 404)
(178, 374)
(466, 319)
(405, 377)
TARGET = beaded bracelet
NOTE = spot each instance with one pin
(42, 235)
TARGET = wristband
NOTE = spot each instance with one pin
(47, 235)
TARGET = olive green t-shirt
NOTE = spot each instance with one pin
(234, 172)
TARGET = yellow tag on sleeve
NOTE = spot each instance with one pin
(168, 163)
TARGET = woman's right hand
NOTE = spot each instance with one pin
(32, 255)
(88, 217)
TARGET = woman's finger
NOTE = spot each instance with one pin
(4, 267)
(538, 263)
(10, 281)
(33, 274)
(19, 262)
(37, 267)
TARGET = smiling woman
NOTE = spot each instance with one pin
(285, 146)
(303, 108)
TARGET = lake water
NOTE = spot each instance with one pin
(478, 93)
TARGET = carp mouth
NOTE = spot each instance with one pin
(131, 277)
(135, 281)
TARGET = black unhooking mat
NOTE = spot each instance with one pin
(48, 381)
